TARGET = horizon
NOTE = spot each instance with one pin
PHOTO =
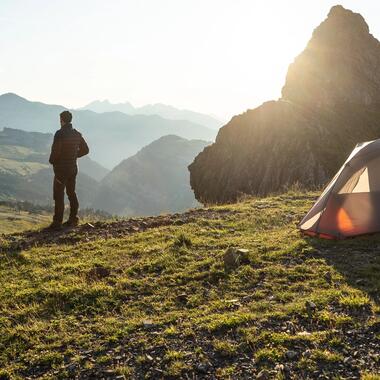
(183, 55)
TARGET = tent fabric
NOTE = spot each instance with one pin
(350, 204)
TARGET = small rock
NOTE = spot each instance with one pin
(148, 324)
(233, 258)
(182, 298)
(71, 367)
(202, 367)
(310, 307)
(291, 355)
(263, 375)
(307, 354)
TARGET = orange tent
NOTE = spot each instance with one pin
(350, 205)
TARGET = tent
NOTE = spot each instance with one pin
(350, 204)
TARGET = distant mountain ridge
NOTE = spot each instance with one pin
(112, 136)
(153, 181)
(163, 110)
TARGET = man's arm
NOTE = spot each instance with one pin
(55, 150)
(83, 147)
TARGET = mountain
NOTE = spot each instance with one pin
(153, 181)
(101, 106)
(330, 101)
(25, 173)
(34, 147)
(112, 136)
(163, 110)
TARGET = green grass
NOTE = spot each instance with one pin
(15, 221)
(168, 305)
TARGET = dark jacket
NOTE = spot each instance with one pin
(68, 145)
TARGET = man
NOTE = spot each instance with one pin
(68, 145)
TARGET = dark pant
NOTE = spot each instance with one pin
(62, 181)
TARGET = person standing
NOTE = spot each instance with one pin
(68, 145)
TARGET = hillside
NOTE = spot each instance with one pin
(32, 148)
(153, 181)
(16, 219)
(112, 136)
(163, 110)
(152, 298)
(330, 102)
(25, 174)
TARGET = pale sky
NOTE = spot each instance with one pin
(215, 56)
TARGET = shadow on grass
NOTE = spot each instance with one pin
(103, 230)
(13, 244)
(357, 259)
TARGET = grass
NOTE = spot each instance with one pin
(20, 167)
(15, 221)
(168, 308)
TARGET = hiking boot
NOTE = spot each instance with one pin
(71, 222)
(55, 226)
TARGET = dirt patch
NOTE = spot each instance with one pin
(103, 230)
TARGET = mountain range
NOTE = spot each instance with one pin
(330, 102)
(153, 181)
(112, 136)
(159, 109)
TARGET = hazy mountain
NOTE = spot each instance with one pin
(163, 110)
(112, 136)
(153, 181)
(34, 147)
(101, 106)
(36, 187)
(25, 173)
(330, 101)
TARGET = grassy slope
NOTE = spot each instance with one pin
(14, 221)
(11, 160)
(19, 167)
(15, 152)
(159, 303)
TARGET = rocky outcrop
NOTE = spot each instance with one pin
(330, 101)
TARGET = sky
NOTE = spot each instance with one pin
(219, 57)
